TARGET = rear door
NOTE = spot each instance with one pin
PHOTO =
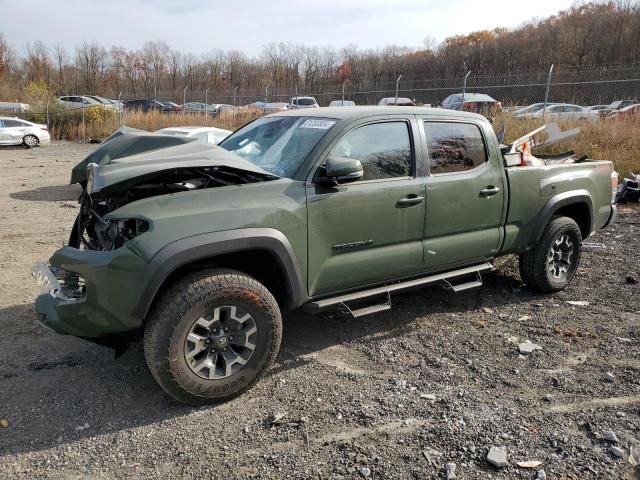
(369, 231)
(466, 198)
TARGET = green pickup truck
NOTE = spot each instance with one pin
(199, 249)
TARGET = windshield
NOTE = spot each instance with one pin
(304, 101)
(279, 145)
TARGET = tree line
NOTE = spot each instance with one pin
(583, 36)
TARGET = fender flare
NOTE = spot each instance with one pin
(555, 203)
(199, 247)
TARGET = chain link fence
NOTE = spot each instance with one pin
(593, 86)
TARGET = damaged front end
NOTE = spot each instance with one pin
(91, 287)
(113, 183)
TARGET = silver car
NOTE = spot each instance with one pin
(72, 102)
(15, 131)
(564, 111)
(342, 103)
(210, 135)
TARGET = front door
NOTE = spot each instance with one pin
(368, 231)
(465, 196)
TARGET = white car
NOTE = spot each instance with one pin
(81, 101)
(303, 102)
(565, 111)
(14, 131)
(342, 103)
(210, 135)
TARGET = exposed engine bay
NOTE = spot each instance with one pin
(93, 232)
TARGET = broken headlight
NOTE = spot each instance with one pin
(114, 233)
(58, 282)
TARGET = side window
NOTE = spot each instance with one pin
(12, 123)
(384, 149)
(454, 147)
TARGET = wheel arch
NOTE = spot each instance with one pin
(574, 204)
(262, 253)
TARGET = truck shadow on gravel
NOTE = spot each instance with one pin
(58, 389)
(53, 193)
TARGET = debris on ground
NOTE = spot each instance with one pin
(609, 377)
(578, 303)
(527, 347)
(529, 464)
(497, 456)
(610, 436)
(617, 451)
(4, 423)
(450, 471)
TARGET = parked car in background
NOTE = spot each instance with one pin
(198, 107)
(529, 109)
(401, 102)
(106, 102)
(303, 102)
(601, 110)
(224, 107)
(80, 101)
(628, 111)
(342, 103)
(565, 111)
(618, 104)
(14, 107)
(147, 106)
(210, 135)
(15, 131)
(172, 105)
(472, 102)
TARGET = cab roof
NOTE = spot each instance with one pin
(352, 113)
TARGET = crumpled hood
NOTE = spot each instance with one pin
(130, 154)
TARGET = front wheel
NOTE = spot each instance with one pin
(30, 141)
(212, 335)
(553, 262)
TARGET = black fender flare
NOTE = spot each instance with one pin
(199, 247)
(555, 203)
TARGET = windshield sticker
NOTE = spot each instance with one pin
(321, 124)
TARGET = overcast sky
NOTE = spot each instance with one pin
(199, 26)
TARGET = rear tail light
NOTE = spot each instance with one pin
(614, 185)
(499, 105)
(469, 105)
(45, 128)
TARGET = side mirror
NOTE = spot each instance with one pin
(343, 169)
(513, 159)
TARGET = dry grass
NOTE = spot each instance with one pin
(73, 129)
(606, 139)
(617, 140)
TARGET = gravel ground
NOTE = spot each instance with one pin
(437, 380)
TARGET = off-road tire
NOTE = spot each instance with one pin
(175, 314)
(534, 267)
(30, 141)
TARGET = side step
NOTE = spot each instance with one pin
(319, 305)
(363, 311)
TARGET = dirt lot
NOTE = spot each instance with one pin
(396, 395)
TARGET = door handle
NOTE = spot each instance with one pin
(490, 191)
(409, 201)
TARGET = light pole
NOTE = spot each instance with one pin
(464, 87)
(397, 86)
(235, 90)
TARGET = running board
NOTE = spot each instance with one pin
(319, 305)
(361, 312)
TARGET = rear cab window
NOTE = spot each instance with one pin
(454, 147)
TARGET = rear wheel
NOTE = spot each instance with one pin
(212, 335)
(552, 264)
(30, 141)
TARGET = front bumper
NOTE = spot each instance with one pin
(112, 284)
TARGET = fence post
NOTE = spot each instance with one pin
(266, 91)
(47, 113)
(397, 86)
(84, 128)
(344, 85)
(206, 103)
(184, 100)
(464, 88)
(546, 93)
(120, 108)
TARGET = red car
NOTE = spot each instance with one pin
(625, 112)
